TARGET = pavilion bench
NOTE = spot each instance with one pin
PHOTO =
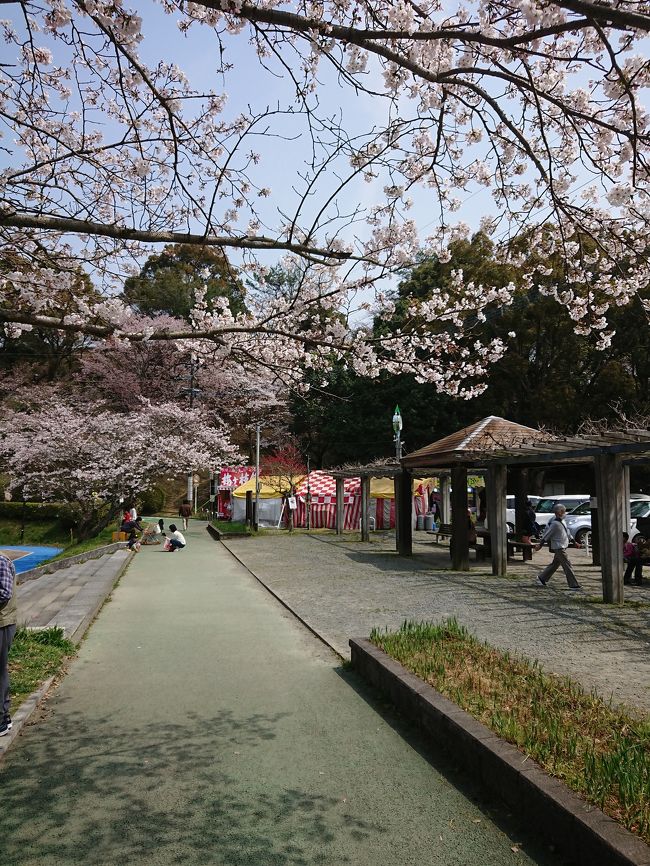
(525, 547)
(481, 547)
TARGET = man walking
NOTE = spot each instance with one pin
(185, 511)
(557, 534)
(8, 617)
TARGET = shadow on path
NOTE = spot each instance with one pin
(162, 793)
(442, 760)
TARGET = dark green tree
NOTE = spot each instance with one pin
(550, 375)
(169, 280)
(46, 354)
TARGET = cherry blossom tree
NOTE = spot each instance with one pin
(54, 448)
(120, 375)
(282, 470)
(541, 104)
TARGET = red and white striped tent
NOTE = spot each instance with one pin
(322, 488)
(382, 502)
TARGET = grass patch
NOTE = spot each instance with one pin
(601, 752)
(35, 532)
(34, 657)
(230, 526)
(101, 540)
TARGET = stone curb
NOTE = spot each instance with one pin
(79, 632)
(30, 704)
(218, 535)
(284, 604)
(582, 831)
(23, 714)
(50, 567)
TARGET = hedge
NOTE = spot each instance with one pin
(34, 510)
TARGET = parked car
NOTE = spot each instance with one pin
(510, 510)
(544, 509)
(579, 521)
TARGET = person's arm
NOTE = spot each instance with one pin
(545, 535)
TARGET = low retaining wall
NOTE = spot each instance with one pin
(218, 534)
(50, 567)
(545, 804)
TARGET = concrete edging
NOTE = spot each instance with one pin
(218, 535)
(23, 713)
(582, 831)
(50, 567)
(284, 604)
(80, 631)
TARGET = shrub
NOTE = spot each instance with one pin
(153, 501)
(33, 511)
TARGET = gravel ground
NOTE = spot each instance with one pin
(343, 588)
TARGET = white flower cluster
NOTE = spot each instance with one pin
(520, 98)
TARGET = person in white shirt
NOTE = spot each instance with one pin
(558, 537)
(176, 539)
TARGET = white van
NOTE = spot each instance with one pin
(544, 508)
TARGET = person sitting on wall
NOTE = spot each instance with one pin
(153, 533)
(128, 525)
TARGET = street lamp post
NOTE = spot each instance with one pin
(397, 429)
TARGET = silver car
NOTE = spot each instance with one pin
(579, 521)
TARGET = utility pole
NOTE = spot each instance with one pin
(190, 475)
(256, 519)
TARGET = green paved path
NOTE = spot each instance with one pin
(201, 724)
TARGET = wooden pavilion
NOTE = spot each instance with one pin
(496, 445)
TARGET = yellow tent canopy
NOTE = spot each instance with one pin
(268, 488)
(384, 488)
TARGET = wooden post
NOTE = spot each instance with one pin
(626, 501)
(405, 499)
(610, 487)
(459, 519)
(496, 497)
(340, 505)
(520, 485)
(365, 508)
(396, 483)
(445, 502)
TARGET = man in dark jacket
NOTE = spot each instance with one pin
(185, 511)
(8, 618)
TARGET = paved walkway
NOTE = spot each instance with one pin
(343, 589)
(202, 724)
(70, 597)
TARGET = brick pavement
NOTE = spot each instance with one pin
(342, 589)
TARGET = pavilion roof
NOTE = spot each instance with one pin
(489, 437)
(496, 440)
(377, 469)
